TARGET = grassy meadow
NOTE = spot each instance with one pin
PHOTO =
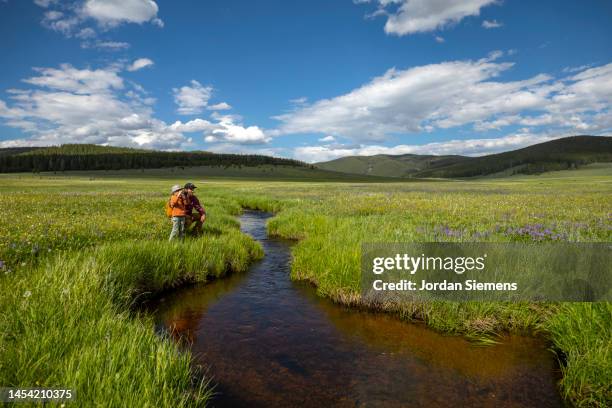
(79, 250)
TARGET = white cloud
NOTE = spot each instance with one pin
(45, 3)
(471, 147)
(52, 15)
(71, 17)
(219, 106)
(85, 33)
(192, 99)
(439, 39)
(106, 45)
(491, 24)
(60, 113)
(453, 94)
(577, 69)
(225, 132)
(140, 63)
(327, 139)
(71, 105)
(414, 16)
(196, 125)
(66, 25)
(228, 132)
(70, 79)
(299, 101)
(111, 13)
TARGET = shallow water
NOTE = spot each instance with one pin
(269, 341)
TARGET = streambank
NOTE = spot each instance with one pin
(68, 322)
(271, 341)
(328, 257)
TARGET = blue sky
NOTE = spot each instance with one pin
(313, 80)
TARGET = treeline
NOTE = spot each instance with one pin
(93, 157)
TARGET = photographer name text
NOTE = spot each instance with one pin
(405, 263)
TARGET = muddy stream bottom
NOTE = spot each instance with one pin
(269, 341)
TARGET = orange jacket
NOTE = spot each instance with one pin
(178, 203)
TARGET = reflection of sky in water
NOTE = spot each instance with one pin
(273, 342)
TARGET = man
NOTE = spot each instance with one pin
(197, 218)
(178, 205)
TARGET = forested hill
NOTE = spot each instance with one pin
(558, 154)
(94, 157)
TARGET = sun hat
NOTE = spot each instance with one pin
(176, 188)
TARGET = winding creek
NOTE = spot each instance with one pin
(269, 341)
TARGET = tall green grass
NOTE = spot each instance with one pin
(328, 255)
(76, 326)
(583, 332)
(70, 323)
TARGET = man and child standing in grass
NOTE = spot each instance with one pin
(180, 208)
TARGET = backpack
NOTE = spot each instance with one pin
(168, 208)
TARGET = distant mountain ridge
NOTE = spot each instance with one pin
(558, 154)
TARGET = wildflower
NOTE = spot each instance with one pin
(27, 294)
(1, 264)
(23, 264)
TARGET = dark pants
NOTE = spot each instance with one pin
(194, 219)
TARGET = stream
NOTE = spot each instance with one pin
(269, 341)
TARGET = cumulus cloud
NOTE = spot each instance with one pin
(491, 24)
(229, 132)
(68, 104)
(85, 33)
(79, 81)
(193, 98)
(72, 105)
(114, 12)
(140, 63)
(327, 139)
(72, 17)
(196, 125)
(453, 94)
(219, 106)
(416, 16)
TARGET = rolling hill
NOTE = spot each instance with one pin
(559, 154)
(384, 165)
